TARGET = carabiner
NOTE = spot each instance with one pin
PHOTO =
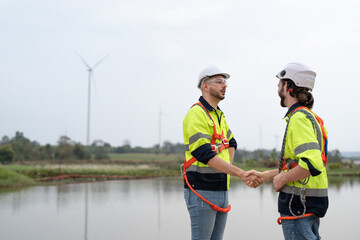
(181, 170)
(216, 148)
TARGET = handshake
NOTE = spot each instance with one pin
(254, 178)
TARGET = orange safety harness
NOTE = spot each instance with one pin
(217, 149)
(283, 166)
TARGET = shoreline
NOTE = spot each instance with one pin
(17, 175)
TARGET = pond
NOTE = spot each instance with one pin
(155, 209)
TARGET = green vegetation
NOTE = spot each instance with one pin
(11, 179)
(41, 172)
(20, 148)
(130, 165)
(7, 154)
(141, 157)
(24, 161)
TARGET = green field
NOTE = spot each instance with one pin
(148, 157)
(130, 164)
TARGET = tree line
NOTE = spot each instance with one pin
(20, 148)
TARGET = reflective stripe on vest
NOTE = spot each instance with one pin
(310, 192)
(207, 170)
(196, 137)
(307, 146)
(200, 135)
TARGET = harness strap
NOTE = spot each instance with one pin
(187, 164)
(293, 217)
(224, 140)
(288, 166)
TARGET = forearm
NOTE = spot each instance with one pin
(219, 164)
(270, 174)
(232, 154)
(295, 174)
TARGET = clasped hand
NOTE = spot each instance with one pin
(253, 179)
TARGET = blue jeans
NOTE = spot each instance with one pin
(306, 228)
(206, 223)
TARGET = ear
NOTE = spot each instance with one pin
(290, 89)
(205, 86)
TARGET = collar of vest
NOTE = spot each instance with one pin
(207, 105)
(292, 108)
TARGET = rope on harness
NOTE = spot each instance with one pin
(302, 197)
(213, 206)
(293, 217)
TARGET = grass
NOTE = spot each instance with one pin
(39, 172)
(130, 164)
(11, 179)
(145, 157)
(344, 172)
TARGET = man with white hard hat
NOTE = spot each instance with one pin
(301, 179)
(209, 152)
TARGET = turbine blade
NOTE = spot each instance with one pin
(82, 60)
(100, 61)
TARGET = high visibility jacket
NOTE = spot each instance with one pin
(198, 128)
(303, 145)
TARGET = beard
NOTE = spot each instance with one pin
(216, 94)
(282, 97)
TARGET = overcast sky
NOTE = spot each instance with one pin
(156, 50)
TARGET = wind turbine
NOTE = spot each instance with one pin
(91, 75)
(160, 114)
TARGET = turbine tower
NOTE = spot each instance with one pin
(160, 114)
(91, 76)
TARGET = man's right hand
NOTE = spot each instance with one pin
(254, 178)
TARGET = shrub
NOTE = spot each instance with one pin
(335, 165)
(7, 154)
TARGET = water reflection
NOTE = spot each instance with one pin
(339, 181)
(86, 210)
(155, 209)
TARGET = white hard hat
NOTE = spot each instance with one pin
(208, 72)
(300, 74)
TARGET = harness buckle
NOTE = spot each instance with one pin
(225, 142)
(288, 165)
(216, 148)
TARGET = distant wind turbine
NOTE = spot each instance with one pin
(160, 114)
(91, 75)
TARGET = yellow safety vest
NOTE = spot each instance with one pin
(198, 129)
